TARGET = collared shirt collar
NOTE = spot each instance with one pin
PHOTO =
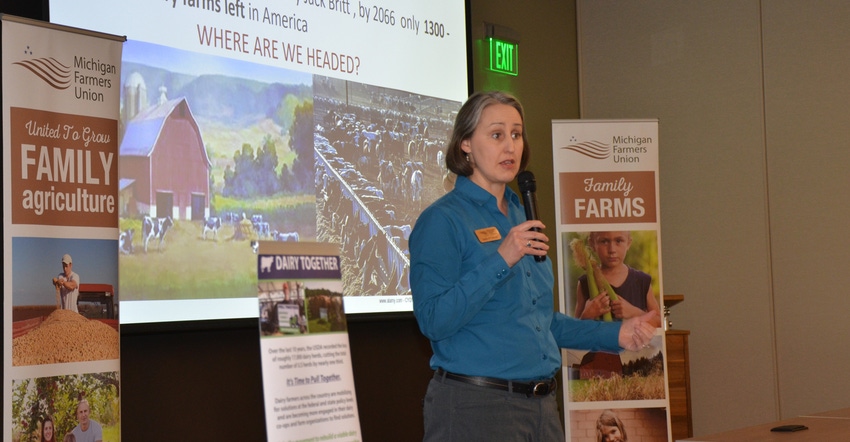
(480, 196)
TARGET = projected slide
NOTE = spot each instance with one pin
(274, 121)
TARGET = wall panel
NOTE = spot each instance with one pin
(696, 66)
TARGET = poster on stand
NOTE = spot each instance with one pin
(308, 381)
(60, 232)
(609, 255)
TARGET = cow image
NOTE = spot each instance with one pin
(230, 218)
(266, 263)
(125, 241)
(263, 229)
(212, 225)
(416, 187)
(155, 229)
(285, 236)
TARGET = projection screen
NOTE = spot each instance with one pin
(240, 122)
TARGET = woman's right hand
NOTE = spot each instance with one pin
(521, 241)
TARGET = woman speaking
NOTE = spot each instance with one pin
(482, 299)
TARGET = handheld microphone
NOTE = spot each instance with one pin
(527, 187)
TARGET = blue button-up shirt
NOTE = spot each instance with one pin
(483, 317)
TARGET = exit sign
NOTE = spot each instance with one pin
(503, 57)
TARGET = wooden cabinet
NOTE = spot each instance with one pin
(678, 376)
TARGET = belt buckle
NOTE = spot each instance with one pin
(540, 388)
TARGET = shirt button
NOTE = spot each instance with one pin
(544, 357)
(528, 273)
(534, 302)
(538, 328)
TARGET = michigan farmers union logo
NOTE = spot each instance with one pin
(593, 149)
(622, 149)
(90, 77)
(53, 72)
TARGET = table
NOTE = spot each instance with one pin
(678, 374)
(830, 425)
(843, 413)
(679, 383)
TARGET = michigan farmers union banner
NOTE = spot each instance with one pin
(609, 253)
(60, 232)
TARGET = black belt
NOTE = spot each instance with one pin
(528, 388)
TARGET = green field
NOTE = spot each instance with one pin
(187, 266)
(618, 388)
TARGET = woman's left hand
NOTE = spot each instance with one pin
(636, 333)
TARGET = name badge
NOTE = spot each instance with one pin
(489, 234)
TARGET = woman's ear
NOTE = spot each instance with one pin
(465, 147)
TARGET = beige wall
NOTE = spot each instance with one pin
(753, 103)
(696, 66)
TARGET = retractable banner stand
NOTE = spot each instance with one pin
(60, 232)
(308, 381)
(609, 253)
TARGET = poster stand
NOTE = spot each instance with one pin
(60, 228)
(608, 243)
(308, 381)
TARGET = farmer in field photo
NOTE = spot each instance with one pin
(67, 286)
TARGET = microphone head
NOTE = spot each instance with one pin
(525, 181)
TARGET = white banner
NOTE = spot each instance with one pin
(308, 381)
(60, 227)
(609, 250)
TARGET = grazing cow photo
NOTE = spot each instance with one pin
(212, 225)
(125, 241)
(416, 187)
(285, 236)
(155, 228)
(263, 229)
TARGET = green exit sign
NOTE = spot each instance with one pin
(503, 57)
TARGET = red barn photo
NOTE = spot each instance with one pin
(164, 167)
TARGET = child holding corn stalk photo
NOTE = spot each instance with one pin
(610, 290)
(617, 290)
